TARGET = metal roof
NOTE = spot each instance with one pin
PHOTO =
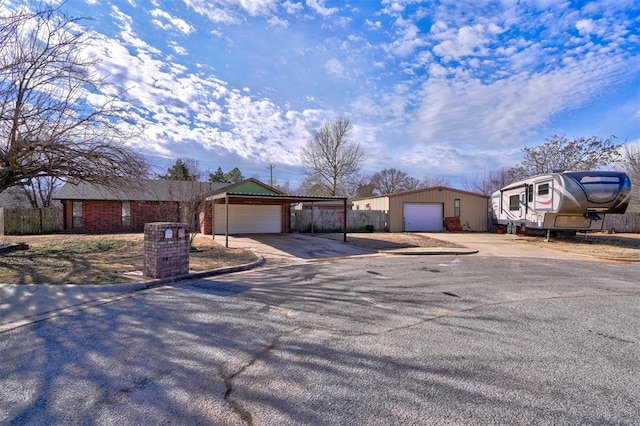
(142, 190)
(271, 197)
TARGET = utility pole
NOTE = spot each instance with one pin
(271, 167)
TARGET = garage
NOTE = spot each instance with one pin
(422, 217)
(250, 219)
(424, 210)
(254, 208)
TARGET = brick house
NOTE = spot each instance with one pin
(98, 208)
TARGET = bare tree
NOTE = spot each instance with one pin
(429, 182)
(388, 181)
(490, 182)
(560, 153)
(331, 159)
(631, 162)
(54, 120)
(40, 190)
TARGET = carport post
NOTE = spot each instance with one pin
(344, 219)
(226, 218)
(213, 219)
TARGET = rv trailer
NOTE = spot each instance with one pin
(564, 201)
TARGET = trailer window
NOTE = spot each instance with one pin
(514, 202)
(543, 189)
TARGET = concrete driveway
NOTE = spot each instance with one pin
(502, 245)
(284, 249)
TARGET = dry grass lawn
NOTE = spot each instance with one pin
(620, 247)
(99, 259)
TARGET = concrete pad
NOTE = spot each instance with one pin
(285, 249)
(501, 245)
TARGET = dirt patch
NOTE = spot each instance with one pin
(622, 247)
(391, 240)
(99, 259)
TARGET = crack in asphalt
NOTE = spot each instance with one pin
(244, 414)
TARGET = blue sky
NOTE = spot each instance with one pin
(449, 89)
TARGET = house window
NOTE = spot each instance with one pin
(456, 207)
(514, 202)
(76, 214)
(543, 189)
(126, 213)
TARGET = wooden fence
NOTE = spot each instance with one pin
(23, 221)
(628, 222)
(326, 220)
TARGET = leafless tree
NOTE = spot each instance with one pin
(631, 162)
(429, 182)
(40, 190)
(389, 181)
(490, 182)
(331, 160)
(54, 119)
(560, 153)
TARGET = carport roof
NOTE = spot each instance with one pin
(245, 196)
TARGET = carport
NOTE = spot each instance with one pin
(260, 202)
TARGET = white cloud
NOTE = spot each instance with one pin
(180, 50)
(167, 22)
(319, 7)
(334, 67)
(292, 7)
(231, 11)
(464, 42)
(408, 38)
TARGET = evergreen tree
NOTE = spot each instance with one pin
(218, 176)
(182, 170)
(234, 175)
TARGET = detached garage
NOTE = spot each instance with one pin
(424, 210)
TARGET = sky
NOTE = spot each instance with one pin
(449, 89)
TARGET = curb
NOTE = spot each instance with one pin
(127, 293)
(434, 252)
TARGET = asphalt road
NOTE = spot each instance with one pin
(374, 340)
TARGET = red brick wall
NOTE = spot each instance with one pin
(206, 219)
(286, 217)
(106, 216)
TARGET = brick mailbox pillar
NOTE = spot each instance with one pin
(166, 249)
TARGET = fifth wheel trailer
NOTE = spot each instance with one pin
(563, 201)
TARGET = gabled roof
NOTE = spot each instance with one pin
(142, 190)
(247, 186)
(415, 191)
(254, 190)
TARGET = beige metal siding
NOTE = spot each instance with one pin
(377, 203)
(473, 208)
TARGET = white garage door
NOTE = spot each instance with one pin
(249, 219)
(422, 217)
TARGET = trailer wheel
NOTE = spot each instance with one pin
(509, 228)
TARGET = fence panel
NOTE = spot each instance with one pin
(22, 221)
(628, 222)
(326, 220)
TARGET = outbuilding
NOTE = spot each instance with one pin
(425, 210)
